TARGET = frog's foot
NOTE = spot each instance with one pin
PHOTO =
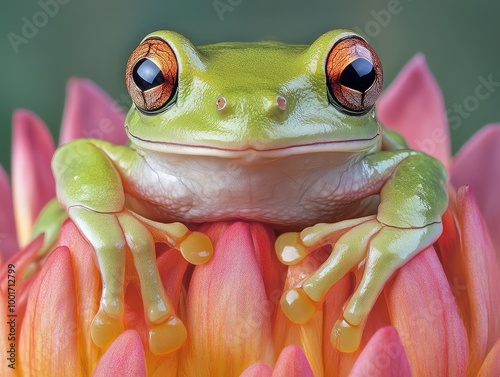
(111, 235)
(370, 245)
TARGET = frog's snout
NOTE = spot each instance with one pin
(278, 102)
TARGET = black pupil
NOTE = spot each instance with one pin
(359, 75)
(147, 75)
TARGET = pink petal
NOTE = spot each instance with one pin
(257, 370)
(228, 313)
(8, 235)
(491, 365)
(476, 165)
(124, 358)
(384, 355)
(90, 113)
(32, 181)
(413, 106)
(423, 310)
(469, 262)
(48, 342)
(292, 363)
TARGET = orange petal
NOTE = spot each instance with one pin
(292, 363)
(384, 355)
(88, 285)
(228, 313)
(401, 109)
(476, 165)
(423, 310)
(308, 336)
(338, 363)
(32, 181)
(491, 365)
(21, 260)
(90, 113)
(124, 358)
(257, 370)
(8, 235)
(48, 343)
(470, 265)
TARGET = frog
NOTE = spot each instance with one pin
(285, 135)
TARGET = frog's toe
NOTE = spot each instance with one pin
(389, 249)
(299, 304)
(105, 328)
(167, 336)
(195, 247)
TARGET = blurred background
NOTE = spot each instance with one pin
(93, 39)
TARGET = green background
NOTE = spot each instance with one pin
(94, 38)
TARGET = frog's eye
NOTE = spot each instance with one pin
(151, 75)
(354, 75)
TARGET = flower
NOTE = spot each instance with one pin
(439, 314)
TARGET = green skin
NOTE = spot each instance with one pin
(311, 163)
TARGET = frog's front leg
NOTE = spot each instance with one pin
(413, 197)
(90, 186)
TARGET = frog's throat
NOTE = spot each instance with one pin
(253, 153)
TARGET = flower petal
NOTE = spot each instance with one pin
(49, 324)
(384, 355)
(491, 365)
(88, 286)
(90, 113)
(413, 106)
(292, 363)
(21, 260)
(338, 363)
(476, 165)
(228, 313)
(8, 235)
(32, 181)
(309, 335)
(125, 357)
(257, 370)
(469, 262)
(423, 310)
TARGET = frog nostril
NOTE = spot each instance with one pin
(281, 102)
(221, 103)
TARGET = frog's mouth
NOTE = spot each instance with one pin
(250, 153)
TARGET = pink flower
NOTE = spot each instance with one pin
(439, 315)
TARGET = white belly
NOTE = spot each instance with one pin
(290, 192)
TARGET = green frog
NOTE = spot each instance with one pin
(280, 134)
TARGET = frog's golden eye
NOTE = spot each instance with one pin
(151, 75)
(354, 74)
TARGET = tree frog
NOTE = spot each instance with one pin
(280, 134)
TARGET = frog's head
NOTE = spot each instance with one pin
(250, 100)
